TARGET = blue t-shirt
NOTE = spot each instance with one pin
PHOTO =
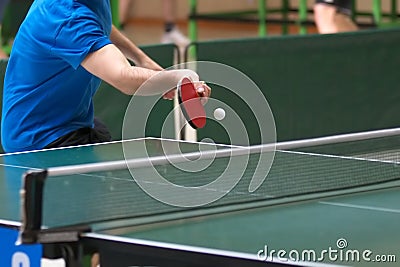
(47, 93)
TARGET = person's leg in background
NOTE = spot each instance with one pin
(332, 16)
(171, 31)
(3, 5)
(123, 11)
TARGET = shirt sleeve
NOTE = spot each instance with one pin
(78, 37)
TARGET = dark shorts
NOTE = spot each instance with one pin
(98, 134)
(342, 6)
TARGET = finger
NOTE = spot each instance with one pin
(204, 97)
(201, 91)
(207, 90)
(204, 100)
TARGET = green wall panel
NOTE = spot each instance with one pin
(317, 85)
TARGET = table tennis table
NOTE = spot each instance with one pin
(312, 209)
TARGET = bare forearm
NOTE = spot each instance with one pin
(131, 79)
(110, 65)
(142, 81)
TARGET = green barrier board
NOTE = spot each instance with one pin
(316, 85)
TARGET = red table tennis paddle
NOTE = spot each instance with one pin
(190, 103)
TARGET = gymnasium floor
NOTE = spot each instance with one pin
(149, 31)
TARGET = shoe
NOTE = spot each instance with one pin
(175, 37)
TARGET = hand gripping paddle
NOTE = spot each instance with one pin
(190, 103)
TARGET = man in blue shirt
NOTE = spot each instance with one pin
(63, 49)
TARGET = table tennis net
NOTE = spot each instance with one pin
(298, 173)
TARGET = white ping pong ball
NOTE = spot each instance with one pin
(219, 114)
